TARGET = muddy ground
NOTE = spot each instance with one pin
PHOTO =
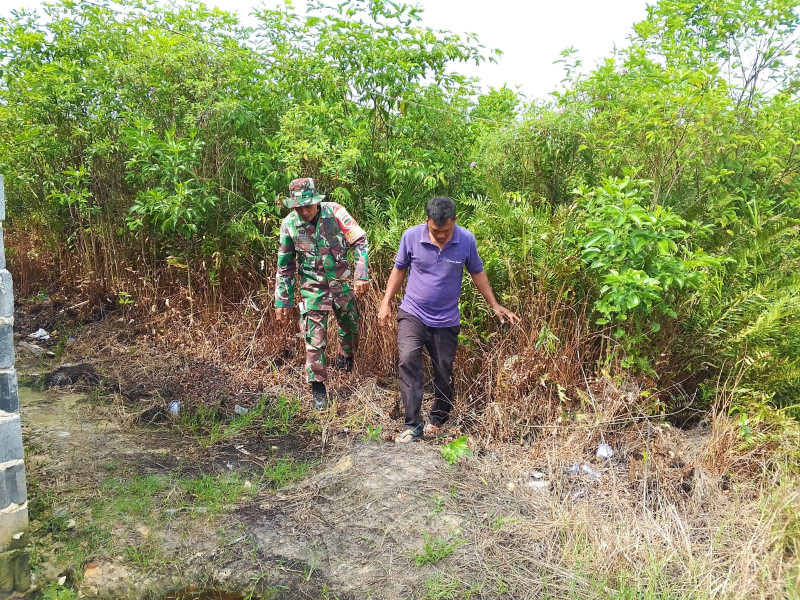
(360, 517)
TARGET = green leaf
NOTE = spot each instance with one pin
(595, 238)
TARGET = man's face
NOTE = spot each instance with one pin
(441, 234)
(307, 212)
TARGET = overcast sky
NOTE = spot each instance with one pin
(531, 33)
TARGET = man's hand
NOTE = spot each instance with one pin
(362, 287)
(282, 314)
(384, 315)
(503, 313)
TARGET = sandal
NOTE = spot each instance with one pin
(434, 430)
(408, 436)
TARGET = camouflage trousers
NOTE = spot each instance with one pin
(314, 327)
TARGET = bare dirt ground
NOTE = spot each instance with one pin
(666, 516)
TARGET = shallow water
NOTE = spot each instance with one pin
(192, 593)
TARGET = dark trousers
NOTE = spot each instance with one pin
(441, 342)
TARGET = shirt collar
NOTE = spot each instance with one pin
(426, 238)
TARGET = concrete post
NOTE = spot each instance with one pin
(14, 571)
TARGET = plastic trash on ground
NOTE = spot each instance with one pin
(538, 484)
(240, 410)
(175, 407)
(39, 334)
(582, 469)
(604, 451)
(588, 470)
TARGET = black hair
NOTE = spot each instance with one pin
(440, 210)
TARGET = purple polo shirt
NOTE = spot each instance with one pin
(434, 281)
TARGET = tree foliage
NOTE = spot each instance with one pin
(660, 189)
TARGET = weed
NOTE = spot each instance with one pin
(53, 591)
(502, 587)
(435, 549)
(456, 449)
(98, 392)
(373, 434)
(62, 336)
(442, 587)
(134, 498)
(285, 471)
(275, 592)
(216, 492)
(125, 299)
(37, 382)
(239, 422)
(281, 414)
(438, 504)
(146, 556)
(203, 420)
(210, 425)
(497, 523)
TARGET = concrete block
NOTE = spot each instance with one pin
(2, 249)
(12, 523)
(12, 485)
(2, 200)
(8, 563)
(9, 391)
(19, 541)
(6, 294)
(22, 574)
(10, 438)
(6, 343)
(15, 571)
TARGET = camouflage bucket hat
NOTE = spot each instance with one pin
(302, 192)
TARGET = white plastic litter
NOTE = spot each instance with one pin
(175, 407)
(588, 470)
(538, 484)
(604, 451)
(240, 410)
(582, 469)
(39, 334)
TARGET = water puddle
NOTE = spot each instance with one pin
(192, 593)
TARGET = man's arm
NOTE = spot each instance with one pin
(356, 239)
(396, 278)
(484, 287)
(285, 276)
(361, 266)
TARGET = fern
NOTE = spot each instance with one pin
(750, 317)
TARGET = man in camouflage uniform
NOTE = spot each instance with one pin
(314, 241)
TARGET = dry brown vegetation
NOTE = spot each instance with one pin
(701, 512)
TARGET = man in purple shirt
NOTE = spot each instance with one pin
(437, 252)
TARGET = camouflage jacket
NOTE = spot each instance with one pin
(319, 254)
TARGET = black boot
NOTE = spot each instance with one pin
(319, 396)
(344, 363)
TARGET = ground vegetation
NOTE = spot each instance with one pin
(643, 221)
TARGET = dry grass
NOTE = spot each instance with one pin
(675, 528)
(698, 513)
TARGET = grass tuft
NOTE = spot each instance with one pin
(435, 549)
